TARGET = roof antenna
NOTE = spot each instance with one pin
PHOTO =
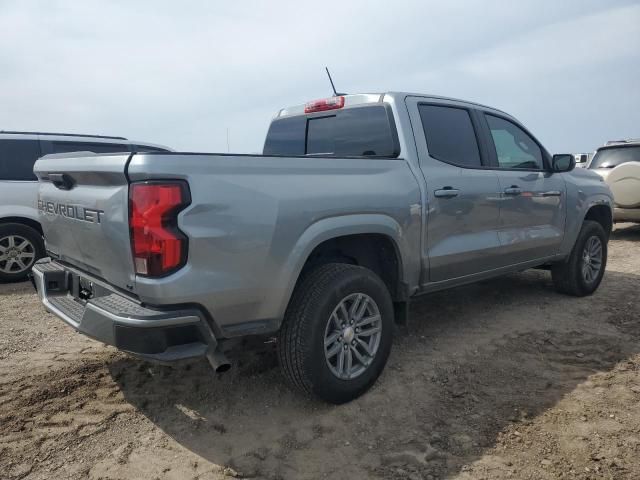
(335, 94)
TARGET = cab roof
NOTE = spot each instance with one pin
(351, 100)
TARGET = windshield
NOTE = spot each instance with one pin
(612, 157)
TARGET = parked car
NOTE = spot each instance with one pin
(21, 241)
(582, 159)
(358, 204)
(618, 162)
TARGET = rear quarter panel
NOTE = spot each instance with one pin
(254, 220)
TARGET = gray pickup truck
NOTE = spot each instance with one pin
(358, 204)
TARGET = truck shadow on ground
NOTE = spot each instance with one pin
(473, 361)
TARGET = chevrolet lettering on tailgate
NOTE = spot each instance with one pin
(76, 212)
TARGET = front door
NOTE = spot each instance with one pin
(463, 197)
(532, 209)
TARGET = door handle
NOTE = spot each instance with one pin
(551, 193)
(513, 190)
(446, 192)
(62, 181)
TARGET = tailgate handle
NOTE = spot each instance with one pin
(62, 181)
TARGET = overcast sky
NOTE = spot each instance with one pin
(181, 73)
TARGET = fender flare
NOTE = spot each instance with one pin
(19, 212)
(580, 213)
(595, 201)
(334, 227)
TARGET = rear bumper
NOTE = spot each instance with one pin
(164, 335)
(626, 214)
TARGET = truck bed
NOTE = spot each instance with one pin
(252, 221)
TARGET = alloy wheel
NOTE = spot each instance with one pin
(352, 336)
(591, 259)
(17, 254)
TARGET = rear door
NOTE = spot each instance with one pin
(83, 204)
(533, 207)
(462, 191)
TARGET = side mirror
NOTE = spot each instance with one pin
(563, 162)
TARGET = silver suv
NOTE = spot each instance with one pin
(21, 241)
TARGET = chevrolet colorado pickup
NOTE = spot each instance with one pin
(358, 204)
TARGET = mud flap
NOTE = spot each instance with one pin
(401, 315)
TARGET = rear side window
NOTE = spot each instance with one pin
(450, 135)
(17, 158)
(64, 147)
(612, 157)
(356, 131)
(514, 147)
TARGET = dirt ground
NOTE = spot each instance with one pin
(501, 380)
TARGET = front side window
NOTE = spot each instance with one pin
(450, 135)
(515, 149)
(17, 158)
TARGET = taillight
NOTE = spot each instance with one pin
(324, 104)
(157, 245)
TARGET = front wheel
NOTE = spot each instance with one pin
(582, 273)
(337, 332)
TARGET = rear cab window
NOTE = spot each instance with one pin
(17, 158)
(611, 157)
(367, 131)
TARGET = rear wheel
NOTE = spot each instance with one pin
(582, 273)
(20, 247)
(337, 332)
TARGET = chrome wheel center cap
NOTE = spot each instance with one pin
(348, 334)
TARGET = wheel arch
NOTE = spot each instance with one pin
(353, 239)
(24, 221)
(581, 207)
(602, 214)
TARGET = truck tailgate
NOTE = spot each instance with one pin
(83, 201)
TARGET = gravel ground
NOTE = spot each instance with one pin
(503, 379)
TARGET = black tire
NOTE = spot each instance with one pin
(301, 346)
(12, 271)
(568, 276)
